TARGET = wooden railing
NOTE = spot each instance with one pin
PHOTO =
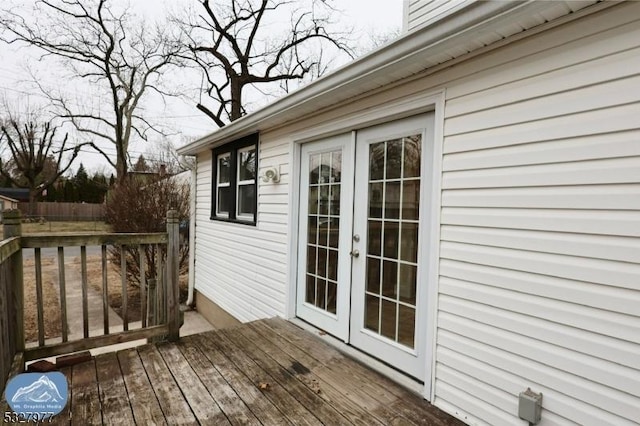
(159, 294)
(10, 269)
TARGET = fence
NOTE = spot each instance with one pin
(64, 211)
(160, 294)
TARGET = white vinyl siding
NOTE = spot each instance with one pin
(422, 12)
(540, 256)
(242, 268)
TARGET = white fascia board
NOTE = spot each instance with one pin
(403, 52)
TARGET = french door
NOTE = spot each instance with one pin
(324, 270)
(376, 264)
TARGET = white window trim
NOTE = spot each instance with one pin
(239, 183)
(221, 185)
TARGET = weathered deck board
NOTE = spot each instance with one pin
(202, 404)
(64, 418)
(85, 399)
(174, 407)
(144, 404)
(116, 409)
(329, 367)
(308, 398)
(226, 397)
(398, 398)
(218, 377)
(263, 380)
(333, 392)
(259, 405)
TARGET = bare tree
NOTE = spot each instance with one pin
(36, 159)
(229, 41)
(101, 46)
(163, 154)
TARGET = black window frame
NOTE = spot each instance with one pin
(232, 149)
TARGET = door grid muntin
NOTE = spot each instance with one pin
(392, 239)
(323, 230)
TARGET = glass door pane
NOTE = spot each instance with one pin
(392, 240)
(323, 229)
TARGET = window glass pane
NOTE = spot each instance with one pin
(334, 198)
(333, 265)
(321, 291)
(376, 161)
(332, 296)
(375, 200)
(224, 199)
(336, 165)
(247, 165)
(409, 242)
(313, 200)
(314, 168)
(388, 319)
(392, 200)
(322, 262)
(394, 159)
(311, 260)
(324, 199)
(391, 237)
(389, 279)
(323, 231)
(371, 312)
(412, 156)
(310, 293)
(373, 275)
(224, 168)
(406, 326)
(408, 283)
(410, 199)
(246, 200)
(312, 229)
(374, 237)
(334, 232)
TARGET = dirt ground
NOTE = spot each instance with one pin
(51, 309)
(114, 285)
(52, 323)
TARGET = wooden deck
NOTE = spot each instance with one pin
(267, 372)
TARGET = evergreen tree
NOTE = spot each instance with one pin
(141, 165)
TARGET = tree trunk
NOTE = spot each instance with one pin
(33, 195)
(236, 99)
(121, 169)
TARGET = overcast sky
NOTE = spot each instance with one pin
(365, 16)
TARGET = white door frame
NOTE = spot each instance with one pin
(416, 103)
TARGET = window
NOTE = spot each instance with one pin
(235, 168)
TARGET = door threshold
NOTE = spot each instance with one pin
(398, 377)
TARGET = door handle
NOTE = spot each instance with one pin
(355, 253)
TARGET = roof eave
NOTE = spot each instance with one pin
(458, 26)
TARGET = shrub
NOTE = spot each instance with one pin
(137, 206)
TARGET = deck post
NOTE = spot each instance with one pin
(12, 220)
(173, 290)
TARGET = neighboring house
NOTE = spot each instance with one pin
(7, 203)
(19, 194)
(462, 204)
